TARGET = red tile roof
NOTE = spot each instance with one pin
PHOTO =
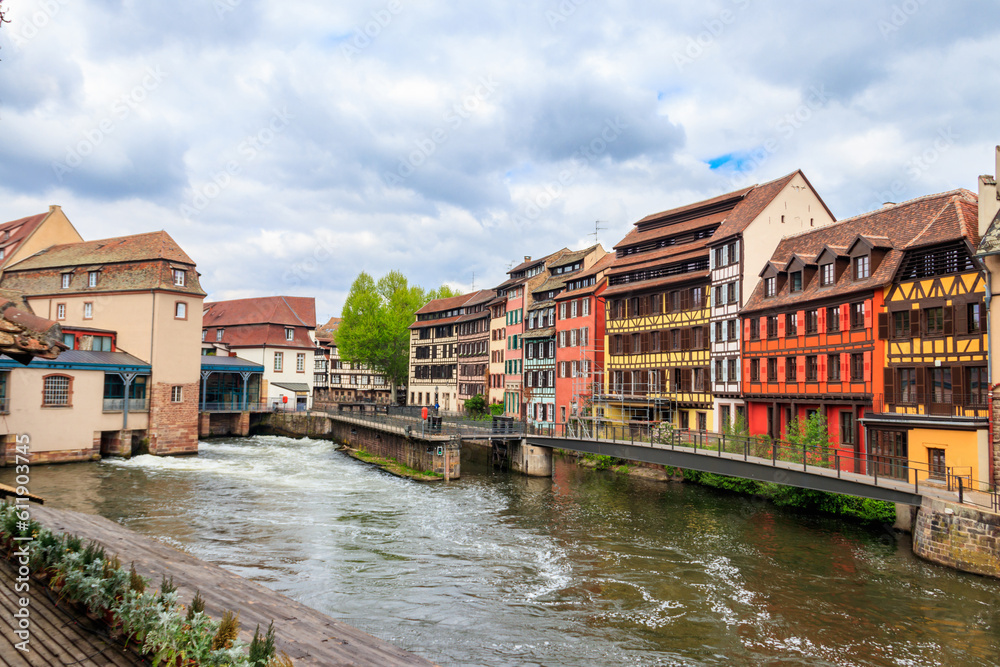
(259, 335)
(444, 305)
(14, 232)
(924, 221)
(135, 248)
(294, 311)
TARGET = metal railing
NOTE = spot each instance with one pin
(952, 404)
(134, 405)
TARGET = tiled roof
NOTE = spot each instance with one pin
(292, 311)
(451, 303)
(14, 232)
(139, 247)
(924, 221)
(601, 265)
(420, 324)
(539, 333)
(660, 283)
(529, 263)
(571, 257)
(326, 331)
(754, 203)
(640, 235)
(990, 243)
(259, 335)
(672, 255)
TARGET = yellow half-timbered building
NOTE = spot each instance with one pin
(933, 412)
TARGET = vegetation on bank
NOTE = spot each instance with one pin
(477, 408)
(861, 509)
(167, 632)
(394, 467)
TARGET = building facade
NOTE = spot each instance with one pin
(138, 294)
(276, 332)
(433, 376)
(752, 229)
(498, 342)
(474, 330)
(337, 381)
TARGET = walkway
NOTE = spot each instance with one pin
(58, 637)
(307, 636)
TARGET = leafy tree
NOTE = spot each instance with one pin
(476, 406)
(375, 320)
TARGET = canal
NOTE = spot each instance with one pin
(587, 568)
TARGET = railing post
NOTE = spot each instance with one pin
(836, 462)
(774, 453)
(803, 456)
(720, 448)
(916, 480)
(874, 468)
(961, 498)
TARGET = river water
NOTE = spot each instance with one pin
(587, 568)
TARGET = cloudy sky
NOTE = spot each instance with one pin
(289, 145)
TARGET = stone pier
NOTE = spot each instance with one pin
(958, 536)
(530, 460)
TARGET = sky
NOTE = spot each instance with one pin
(287, 146)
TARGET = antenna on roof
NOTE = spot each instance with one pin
(473, 281)
(597, 229)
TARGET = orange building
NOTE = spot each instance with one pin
(810, 328)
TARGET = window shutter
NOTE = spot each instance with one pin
(746, 368)
(868, 366)
(961, 319)
(888, 380)
(983, 319)
(921, 374)
(725, 255)
(845, 367)
(800, 369)
(711, 334)
(845, 317)
(713, 374)
(958, 385)
(711, 260)
(821, 319)
(821, 367)
(746, 330)
(781, 326)
(915, 323)
(685, 339)
(868, 313)
(704, 336)
(883, 326)
(949, 320)
(800, 322)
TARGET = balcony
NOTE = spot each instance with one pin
(937, 404)
(134, 405)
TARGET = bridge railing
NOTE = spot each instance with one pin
(831, 456)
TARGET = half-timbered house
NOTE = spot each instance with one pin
(933, 409)
(752, 229)
(474, 346)
(810, 329)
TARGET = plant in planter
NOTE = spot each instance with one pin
(137, 613)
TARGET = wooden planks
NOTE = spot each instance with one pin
(58, 637)
(12, 492)
(306, 635)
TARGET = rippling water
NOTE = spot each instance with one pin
(587, 568)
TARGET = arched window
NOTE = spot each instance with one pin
(57, 391)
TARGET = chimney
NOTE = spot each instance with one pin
(527, 258)
(989, 198)
(53, 208)
(888, 204)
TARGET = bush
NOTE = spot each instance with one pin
(476, 406)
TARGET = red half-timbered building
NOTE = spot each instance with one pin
(810, 328)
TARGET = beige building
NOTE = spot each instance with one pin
(129, 306)
(498, 345)
(989, 254)
(337, 381)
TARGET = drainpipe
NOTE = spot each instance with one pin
(989, 363)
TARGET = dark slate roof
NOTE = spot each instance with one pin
(216, 363)
(292, 386)
(571, 257)
(917, 223)
(86, 358)
(539, 333)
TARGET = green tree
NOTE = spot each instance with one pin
(476, 406)
(375, 320)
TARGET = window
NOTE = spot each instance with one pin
(973, 313)
(719, 291)
(907, 390)
(772, 326)
(978, 386)
(289, 333)
(772, 369)
(858, 315)
(731, 369)
(718, 331)
(220, 332)
(562, 311)
(731, 330)
(934, 321)
(586, 304)
(833, 319)
(862, 267)
(846, 427)
(88, 310)
(180, 311)
(826, 275)
(812, 368)
(702, 421)
(791, 324)
(731, 292)
(572, 309)
(61, 311)
(731, 251)
(754, 328)
(179, 277)
(901, 324)
(790, 370)
(857, 367)
(796, 281)
(833, 368)
(204, 332)
(720, 256)
(755, 370)
(941, 388)
(66, 277)
(177, 394)
(279, 360)
(57, 391)
(769, 287)
(718, 371)
(812, 321)
(92, 279)
(300, 362)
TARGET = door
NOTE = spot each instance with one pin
(936, 462)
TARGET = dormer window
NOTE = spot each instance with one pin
(218, 334)
(289, 333)
(862, 267)
(179, 277)
(92, 279)
(66, 277)
(796, 281)
(769, 287)
(827, 275)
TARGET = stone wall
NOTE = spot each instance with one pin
(173, 427)
(291, 424)
(958, 536)
(414, 452)
(223, 423)
(8, 453)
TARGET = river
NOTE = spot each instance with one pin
(586, 568)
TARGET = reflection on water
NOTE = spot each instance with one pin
(586, 568)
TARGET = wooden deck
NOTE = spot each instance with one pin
(58, 637)
(307, 636)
